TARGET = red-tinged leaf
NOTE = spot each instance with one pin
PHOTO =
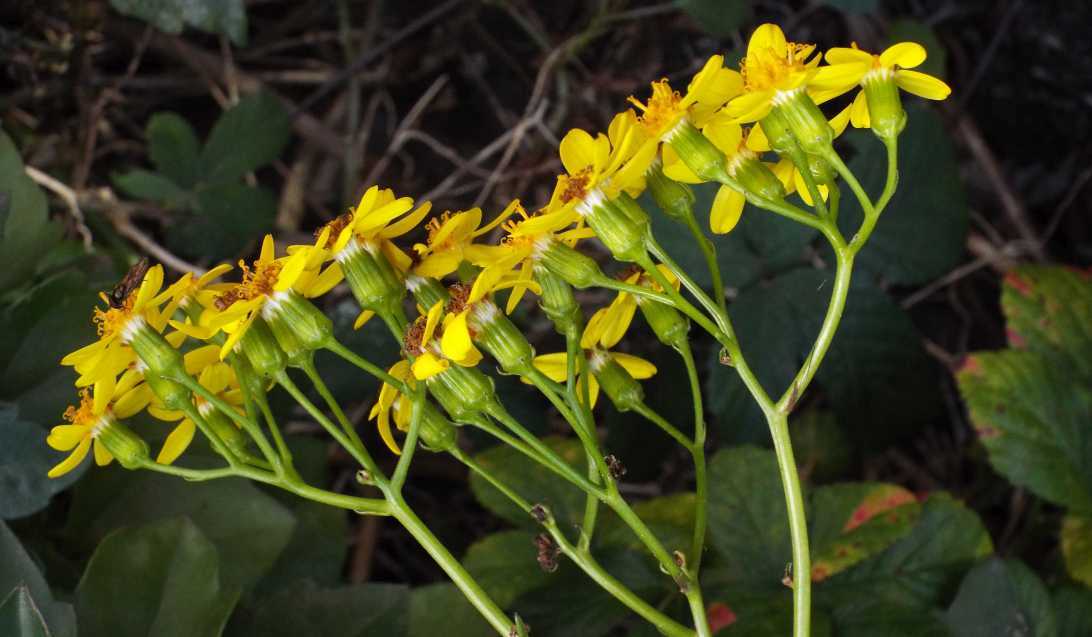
(720, 616)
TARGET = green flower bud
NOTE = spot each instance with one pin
(260, 347)
(820, 169)
(885, 113)
(495, 332)
(675, 199)
(221, 425)
(696, 151)
(755, 177)
(152, 349)
(129, 449)
(777, 132)
(296, 322)
(372, 279)
(438, 433)
(575, 268)
(667, 323)
(622, 389)
(463, 392)
(618, 225)
(247, 376)
(172, 395)
(426, 290)
(558, 301)
(808, 124)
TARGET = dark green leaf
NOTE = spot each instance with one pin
(1002, 597)
(248, 527)
(530, 480)
(240, 213)
(25, 458)
(227, 17)
(769, 614)
(748, 525)
(18, 569)
(20, 617)
(145, 184)
(719, 17)
(174, 148)
(27, 232)
(875, 370)
(821, 447)
(922, 568)
(505, 565)
(440, 609)
(160, 579)
(866, 617)
(249, 135)
(1073, 611)
(921, 233)
(368, 610)
(1077, 547)
(1048, 310)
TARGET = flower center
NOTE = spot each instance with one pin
(765, 69)
(662, 110)
(257, 282)
(84, 414)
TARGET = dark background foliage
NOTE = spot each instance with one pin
(186, 130)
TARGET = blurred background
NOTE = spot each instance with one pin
(185, 130)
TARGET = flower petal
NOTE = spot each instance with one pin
(846, 55)
(72, 461)
(637, 367)
(749, 107)
(577, 150)
(456, 343)
(906, 55)
(554, 366)
(177, 442)
(858, 112)
(767, 36)
(66, 437)
(103, 456)
(726, 211)
(922, 85)
(427, 365)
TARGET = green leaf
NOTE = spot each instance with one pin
(26, 233)
(247, 136)
(908, 29)
(822, 449)
(145, 184)
(922, 568)
(1077, 547)
(18, 569)
(532, 481)
(1048, 310)
(238, 213)
(505, 565)
(865, 617)
(20, 617)
(248, 527)
(160, 579)
(856, 521)
(719, 17)
(875, 371)
(921, 233)
(1032, 418)
(174, 148)
(227, 17)
(748, 525)
(1073, 611)
(1002, 597)
(769, 615)
(367, 610)
(440, 609)
(25, 458)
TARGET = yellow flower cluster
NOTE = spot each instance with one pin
(723, 124)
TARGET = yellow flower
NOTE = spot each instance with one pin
(710, 88)
(608, 164)
(215, 376)
(92, 418)
(101, 362)
(237, 307)
(450, 240)
(391, 399)
(773, 68)
(422, 343)
(470, 312)
(372, 225)
(201, 289)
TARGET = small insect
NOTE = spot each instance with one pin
(615, 467)
(547, 553)
(128, 283)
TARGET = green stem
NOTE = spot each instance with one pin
(798, 526)
(451, 566)
(485, 425)
(682, 304)
(650, 415)
(409, 447)
(275, 431)
(872, 213)
(579, 404)
(308, 367)
(635, 290)
(800, 160)
(858, 191)
(701, 479)
(709, 251)
(689, 283)
(352, 357)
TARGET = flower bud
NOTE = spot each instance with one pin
(885, 113)
(495, 332)
(675, 199)
(777, 133)
(247, 377)
(463, 392)
(755, 177)
(808, 124)
(129, 449)
(152, 349)
(575, 268)
(171, 394)
(696, 151)
(558, 301)
(260, 347)
(620, 227)
(667, 323)
(820, 169)
(622, 389)
(223, 427)
(301, 323)
(436, 432)
(426, 290)
(372, 279)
